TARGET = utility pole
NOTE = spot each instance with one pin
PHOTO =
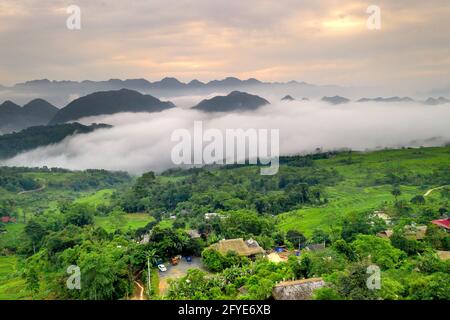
(148, 277)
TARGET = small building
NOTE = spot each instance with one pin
(211, 215)
(145, 239)
(7, 219)
(194, 234)
(413, 232)
(385, 234)
(248, 248)
(383, 216)
(297, 290)
(443, 223)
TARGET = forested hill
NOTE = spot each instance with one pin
(34, 137)
(110, 102)
(235, 101)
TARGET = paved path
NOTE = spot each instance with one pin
(431, 190)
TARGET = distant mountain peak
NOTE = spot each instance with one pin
(253, 81)
(37, 82)
(236, 93)
(195, 83)
(433, 101)
(110, 102)
(40, 108)
(36, 112)
(9, 104)
(388, 99)
(234, 101)
(170, 80)
(232, 79)
(287, 98)
(335, 100)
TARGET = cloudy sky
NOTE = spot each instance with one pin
(323, 42)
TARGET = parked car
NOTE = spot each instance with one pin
(162, 268)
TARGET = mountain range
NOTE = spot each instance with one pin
(429, 101)
(40, 112)
(390, 99)
(61, 92)
(165, 83)
(432, 101)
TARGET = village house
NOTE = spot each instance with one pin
(249, 248)
(7, 219)
(443, 223)
(383, 216)
(297, 290)
(414, 232)
(385, 234)
(145, 239)
(194, 234)
(411, 232)
(211, 215)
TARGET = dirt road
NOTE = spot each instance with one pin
(30, 191)
(138, 292)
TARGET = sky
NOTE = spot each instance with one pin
(321, 42)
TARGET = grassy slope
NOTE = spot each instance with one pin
(12, 286)
(132, 221)
(348, 196)
(103, 197)
(13, 232)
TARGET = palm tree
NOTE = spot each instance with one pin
(152, 256)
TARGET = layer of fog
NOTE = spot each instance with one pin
(142, 142)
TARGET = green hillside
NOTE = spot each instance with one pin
(98, 220)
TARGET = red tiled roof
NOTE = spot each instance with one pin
(445, 223)
(5, 219)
